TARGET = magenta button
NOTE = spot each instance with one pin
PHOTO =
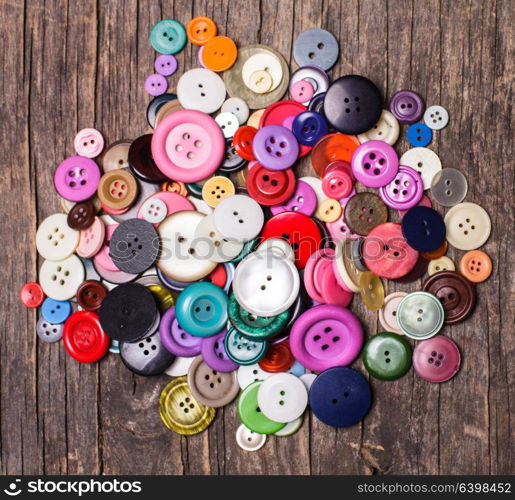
(304, 201)
(76, 178)
(404, 191)
(375, 163)
(436, 359)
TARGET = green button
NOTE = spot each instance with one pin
(250, 414)
(168, 36)
(255, 327)
(420, 315)
(242, 350)
(387, 356)
(247, 248)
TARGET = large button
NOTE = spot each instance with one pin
(56, 311)
(188, 145)
(303, 200)
(407, 106)
(31, 295)
(60, 280)
(90, 295)
(388, 313)
(455, 292)
(476, 266)
(375, 163)
(404, 191)
(437, 359)
(211, 387)
(242, 350)
(309, 127)
(175, 339)
(352, 104)
(316, 46)
(270, 187)
(275, 147)
(181, 412)
(200, 30)
(302, 91)
(332, 147)
(201, 309)
(48, 332)
(436, 117)
(141, 162)
(387, 129)
(387, 356)
(83, 337)
(201, 90)
(55, 240)
(449, 187)
(117, 189)
(424, 229)
(81, 215)
(420, 315)
(468, 226)
(326, 336)
(278, 358)
(168, 36)
(364, 211)
(76, 178)
(424, 161)
(340, 397)
(249, 440)
(214, 355)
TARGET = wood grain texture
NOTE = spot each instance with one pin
(69, 65)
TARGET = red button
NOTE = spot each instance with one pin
(299, 230)
(386, 252)
(270, 187)
(83, 337)
(31, 295)
(242, 142)
(219, 276)
(278, 358)
(338, 180)
(331, 148)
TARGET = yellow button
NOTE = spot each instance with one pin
(181, 412)
(255, 117)
(372, 290)
(441, 264)
(217, 189)
(330, 210)
(260, 82)
(164, 297)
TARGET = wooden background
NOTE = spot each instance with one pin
(69, 65)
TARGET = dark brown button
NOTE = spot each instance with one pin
(455, 292)
(91, 294)
(417, 272)
(364, 211)
(141, 162)
(82, 215)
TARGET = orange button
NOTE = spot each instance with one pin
(476, 266)
(436, 254)
(332, 147)
(175, 187)
(219, 54)
(200, 30)
(278, 358)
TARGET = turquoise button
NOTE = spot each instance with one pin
(201, 309)
(168, 36)
(242, 350)
(420, 315)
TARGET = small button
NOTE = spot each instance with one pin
(242, 141)
(200, 30)
(168, 36)
(90, 295)
(436, 117)
(330, 210)
(201, 90)
(89, 142)
(419, 135)
(91, 239)
(77, 178)
(249, 440)
(228, 123)
(48, 332)
(216, 189)
(165, 65)
(60, 280)
(83, 337)
(116, 155)
(468, 226)
(301, 91)
(449, 187)
(388, 312)
(56, 311)
(420, 315)
(476, 266)
(31, 295)
(309, 127)
(443, 263)
(156, 84)
(371, 290)
(250, 374)
(275, 147)
(81, 215)
(437, 359)
(407, 106)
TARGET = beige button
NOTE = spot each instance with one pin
(345, 269)
(263, 61)
(254, 118)
(260, 82)
(372, 290)
(55, 240)
(117, 189)
(388, 312)
(217, 189)
(60, 280)
(116, 155)
(424, 161)
(166, 109)
(468, 226)
(386, 129)
(330, 210)
(440, 264)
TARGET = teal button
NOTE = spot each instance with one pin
(168, 36)
(420, 315)
(242, 350)
(247, 248)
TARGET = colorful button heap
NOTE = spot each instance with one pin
(243, 290)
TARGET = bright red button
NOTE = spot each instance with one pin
(299, 230)
(270, 187)
(219, 276)
(278, 358)
(31, 295)
(242, 142)
(83, 337)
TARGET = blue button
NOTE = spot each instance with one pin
(423, 228)
(201, 309)
(419, 135)
(297, 369)
(244, 351)
(308, 127)
(56, 311)
(340, 397)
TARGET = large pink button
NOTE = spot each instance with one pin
(76, 178)
(326, 336)
(386, 252)
(436, 359)
(405, 191)
(375, 163)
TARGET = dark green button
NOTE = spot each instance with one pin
(247, 248)
(255, 327)
(242, 350)
(387, 356)
(250, 414)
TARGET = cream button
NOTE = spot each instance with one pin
(387, 129)
(424, 161)
(55, 240)
(468, 226)
(60, 280)
(201, 89)
(263, 61)
(388, 313)
(441, 264)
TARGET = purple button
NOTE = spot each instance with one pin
(375, 163)
(436, 359)
(407, 106)
(304, 201)
(339, 230)
(326, 336)
(175, 339)
(156, 84)
(214, 355)
(405, 191)
(165, 64)
(275, 147)
(76, 178)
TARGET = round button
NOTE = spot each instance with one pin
(117, 189)
(302, 91)
(48, 332)
(168, 36)
(424, 229)
(331, 148)
(179, 367)
(238, 107)
(437, 359)
(436, 117)
(217, 189)
(278, 358)
(345, 269)
(228, 123)
(420, 315)
(60, 280)
(148, 357)
(214, 354)
(424, 161)
(371, 290)
(116, 155)
(449, 187)
(81, 215)
(407, 106)
(404, 191)
(330, 210)
(91, 239)
(303, 200)
(388, 312)
(375, 163)
(338, 180)
(364, 211)
(165, 65)
(219, 53)
(260, 82)
(249, 440)
(175, 339)
(180, 411)
(275, 147)
(340, 397)
(155, 105)
(201, 90)
(441, 264)
(270, 187)
(419, 135)
(309, 127)
(89, 142)
(76, 178)
(141, 163)
(387, 356)
(242, 140)
(55, 311)
(153, 210)
(468, 226)
(251, 373)
(31, 295)
(83, 337)
(316, 46)
(156, 84)
(314, 75)
(387, 129)
(242, 350)
(200, 30)
(90, 295)
(476, 266)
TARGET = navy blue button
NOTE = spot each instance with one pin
(419, 135)
(340, 397)
(424, 229)
(308, 127)
(56, 311)
(317, 103)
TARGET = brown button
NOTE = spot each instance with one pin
(90, 295)
(81, 216)
(210, 387)
(364, 211)
(166, 109)
(141, 161)
(417, 272)
(116, 155)
(278, 358)
(117, 189)
(455, 292)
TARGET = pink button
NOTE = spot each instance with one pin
(302, 91)
(188, 146)
(91, 239)
(89, 142)
(339, 229)
(330, 288)
(375, 163)
(174, 202)
(326, 336)
(338, 180)
(405, 191)
(424, 202)
(76, 178)
(102, 258)
(436, 359)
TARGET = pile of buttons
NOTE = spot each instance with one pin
(244, 292)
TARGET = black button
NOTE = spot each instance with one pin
(232, 160)
(155, 104)
(141, 163)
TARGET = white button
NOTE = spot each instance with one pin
(55, 240)
(308, 379)
(239, 218)
(290, 428)
(178, 258)
(386, 129)
(266, 284)
(280, 246)
(282, 397)
(441, 264)
(249, 440)
(154, 210)
(424, 161)
(249, 374)
(238, 107)
(179, 367)
(61, 279)
(200, 205)
(436, 117)
(322, 82)
(228, 123)
(201, 89)
(388, 312)
(263, 61)
(316, 184)
(468, 226)
(211, 245)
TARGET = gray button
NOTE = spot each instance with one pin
(316, 46)
(449, 187)
(48, 332)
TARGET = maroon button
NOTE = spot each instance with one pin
(270, 187)
(141, 161)
(31, 295)
(436, 359)
(364, 211)
(81, 216)
(90, 295)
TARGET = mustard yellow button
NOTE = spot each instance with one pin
(372, 290)
(217, 189)
(330, 210)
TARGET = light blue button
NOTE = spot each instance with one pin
(56, 311)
